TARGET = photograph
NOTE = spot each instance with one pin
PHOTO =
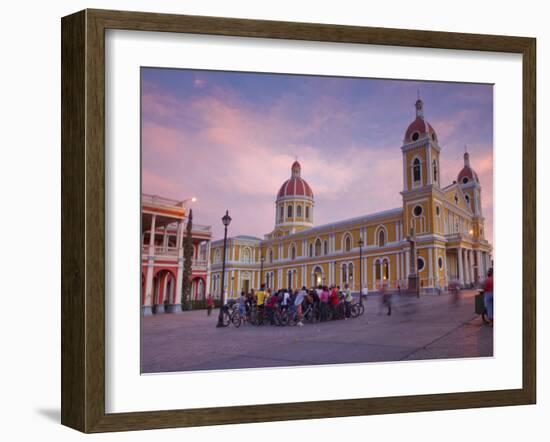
(303, 220)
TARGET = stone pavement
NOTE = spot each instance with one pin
(430, 327)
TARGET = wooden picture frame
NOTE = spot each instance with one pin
(83, 219)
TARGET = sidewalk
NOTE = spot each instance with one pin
(425, 328)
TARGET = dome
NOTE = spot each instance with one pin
(419, 128)
(422, 127)
(467, 173)
(295, 185)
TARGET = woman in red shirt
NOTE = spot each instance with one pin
(334, 302)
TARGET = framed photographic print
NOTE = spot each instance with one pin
(267, 221)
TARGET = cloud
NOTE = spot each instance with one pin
(234, 153)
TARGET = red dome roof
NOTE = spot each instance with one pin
(295, 185)
(419, 128)
(422, 127)
(467, 172)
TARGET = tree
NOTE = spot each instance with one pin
(187, 261)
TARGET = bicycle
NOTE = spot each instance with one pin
(309, 314)
(357, 309)
(231, 315)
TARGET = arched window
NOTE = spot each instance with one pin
(317, 276)
(281, 212)
(293, 252)
(270, 256)
(311, 249)
(435, 171)
(350, 272)
(386, 272)
(416, 170)
(325, 247)
(246, 255)
(217, 256)
(317, 247)
(307, 212)
(377, 270)
(347, 243)
(289, 212)
(299, 211)
(467, 197)
(381, 238)
(344, 273)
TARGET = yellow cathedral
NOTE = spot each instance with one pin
(436, 237)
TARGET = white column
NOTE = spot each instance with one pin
(397, 268)
(460, 268)
(165, 238)
(150, 268)
(468, 266)
(472, 262)
(374, 274)
(430, 268)
(429, 165)
(446, 264)
(207, 288)
(480, 270)
(407, 263)
(404, 171)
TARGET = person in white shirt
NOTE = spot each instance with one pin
(298, 304)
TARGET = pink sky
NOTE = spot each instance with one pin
(230, 140)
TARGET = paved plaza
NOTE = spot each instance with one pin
(430, 327)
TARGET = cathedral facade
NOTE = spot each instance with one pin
(434, 238)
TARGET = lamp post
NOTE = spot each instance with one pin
(360, 271)
(226, 220)
(262, 259)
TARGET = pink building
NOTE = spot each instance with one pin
(162, 255)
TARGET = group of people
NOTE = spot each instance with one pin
(325, 297)
(322, 298)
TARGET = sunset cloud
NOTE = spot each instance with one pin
(230, 140)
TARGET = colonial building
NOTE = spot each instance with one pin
(435, 237)
(163, 223)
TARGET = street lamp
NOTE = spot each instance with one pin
(226, 220)
(262, 259)
(360, 271)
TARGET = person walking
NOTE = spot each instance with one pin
(348, 298)
(300, 296)
(488, 295)
(209, 304)
(323, 298)
(242, 304)
(386, 298)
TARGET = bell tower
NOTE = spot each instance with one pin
(421, 173)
